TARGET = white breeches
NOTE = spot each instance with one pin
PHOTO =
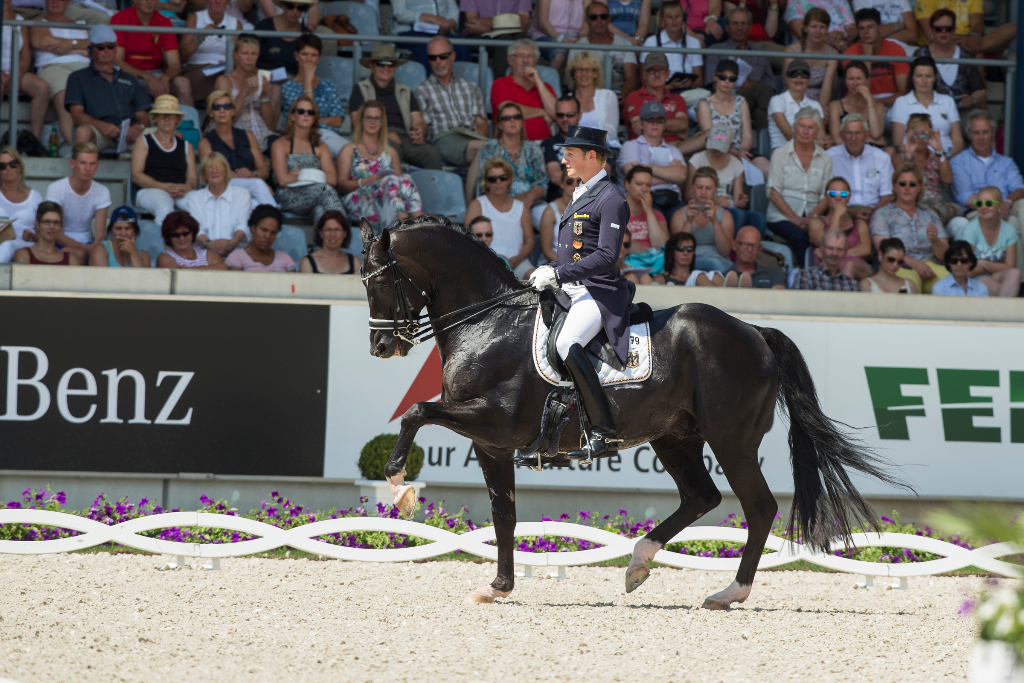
(582, 323)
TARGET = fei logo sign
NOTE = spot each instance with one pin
(959, 406)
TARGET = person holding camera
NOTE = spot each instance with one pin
(711, 224)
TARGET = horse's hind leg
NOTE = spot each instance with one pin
(499, 475)
(759, 508)
(684, 461)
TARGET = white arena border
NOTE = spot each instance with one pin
(474, 542)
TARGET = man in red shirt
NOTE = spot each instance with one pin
(151, 57)
(888, 79)
(525, 87)
(677, 123)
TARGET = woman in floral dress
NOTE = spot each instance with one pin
(370, 174)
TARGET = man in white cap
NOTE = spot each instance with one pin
(102, 96)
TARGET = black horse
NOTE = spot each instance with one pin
(715, 380)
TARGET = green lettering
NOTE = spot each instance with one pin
(1016, 414)
(884, 385)
(958, 423)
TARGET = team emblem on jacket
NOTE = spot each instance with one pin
(577, 227)
(577, 244)
(577, 257)
(633, 359)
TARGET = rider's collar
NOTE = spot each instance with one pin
(589, 185)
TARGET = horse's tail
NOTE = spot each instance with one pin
(825, 503)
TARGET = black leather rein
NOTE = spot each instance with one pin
(408, 326)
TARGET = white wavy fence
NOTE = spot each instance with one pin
(475, 542)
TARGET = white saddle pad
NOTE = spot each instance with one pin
(638, 360)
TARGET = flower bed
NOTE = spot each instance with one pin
(283, 513)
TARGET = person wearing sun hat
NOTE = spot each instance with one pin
(163, 165)
(589, 240)
(407, 130)
(490, 18)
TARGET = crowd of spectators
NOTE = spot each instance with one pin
(868, 160)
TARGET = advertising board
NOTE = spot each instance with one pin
(943, 401)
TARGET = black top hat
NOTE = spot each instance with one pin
(587, 138)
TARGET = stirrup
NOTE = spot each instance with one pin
(599, 446)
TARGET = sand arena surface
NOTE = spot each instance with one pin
(107, 617)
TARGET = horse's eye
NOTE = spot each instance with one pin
(382, 284)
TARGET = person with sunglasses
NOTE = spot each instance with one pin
(964, 83)
(840, 217)
(299, 148)
(600, 31)
(680, 253)
(664, 160)
(995, 244)
(241, 149)
(483, 230)
(723, 107)
(783, 108)
(513, 227)
(529, 174)
(370, 174)
(746, 271)
(257, 101)
(296, 16)
(407, 130)
(102, 96)
(888, 79)
(970, 30)
(755, 75)
(891, 259)
(677, 120)
(179, 230)
(444, 14)
(457, 123)
(981, 166)
(18, 203)
(919, 228)
(45, 252)
(567, 115)
(923, 99)
(961, 262)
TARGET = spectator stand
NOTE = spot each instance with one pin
(442, 193)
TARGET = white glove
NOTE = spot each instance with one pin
(543, 277)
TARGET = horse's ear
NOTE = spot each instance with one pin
(385, 240)
(367, 231)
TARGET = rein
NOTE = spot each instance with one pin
(409, 327)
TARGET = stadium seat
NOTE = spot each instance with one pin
(411, 74)
(442, 192)
(292, 240)
(363, 17)
(764, 143)
(340, 70)
(759, 199)
(150, 240)
(471, 72)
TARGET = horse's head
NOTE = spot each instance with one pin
(395, 302)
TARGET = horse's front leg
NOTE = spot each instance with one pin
(500, 477)
(453, 415)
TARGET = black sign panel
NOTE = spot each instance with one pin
(112, 385)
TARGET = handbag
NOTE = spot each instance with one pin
(339, 23)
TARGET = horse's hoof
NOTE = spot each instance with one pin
(636, 576)
(484, 595)
(711, 603)
(405, 499)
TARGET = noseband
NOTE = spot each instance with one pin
(408, 326)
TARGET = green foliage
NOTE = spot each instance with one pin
(376, 452)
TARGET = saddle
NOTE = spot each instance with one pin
(554, 306)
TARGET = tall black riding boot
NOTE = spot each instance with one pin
(603, 441)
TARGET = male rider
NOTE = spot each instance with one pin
(589, 239)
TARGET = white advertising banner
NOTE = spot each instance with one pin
(943, 401)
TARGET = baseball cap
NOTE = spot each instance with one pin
(102, 34)
(652, 110)
(720, 138)
(123, 213)
(798, 65)
(654, 60)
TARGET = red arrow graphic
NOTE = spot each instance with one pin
(425, 387)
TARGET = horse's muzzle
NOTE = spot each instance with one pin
(386, 345)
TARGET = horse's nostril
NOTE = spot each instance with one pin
(381, 348)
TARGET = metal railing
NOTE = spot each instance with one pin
(482, 45)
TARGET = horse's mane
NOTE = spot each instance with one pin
(483, 252)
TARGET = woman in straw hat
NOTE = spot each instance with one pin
(370, 172)
(300, 148)
(164, 164)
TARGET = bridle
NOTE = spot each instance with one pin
(407, 323)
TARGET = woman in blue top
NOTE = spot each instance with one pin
(995, 244)
(960, 261)
(119, 250)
